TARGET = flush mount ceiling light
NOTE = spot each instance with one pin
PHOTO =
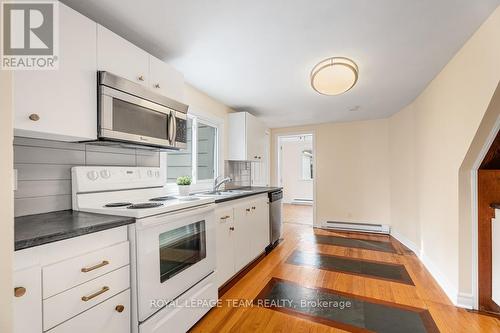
(334, 76)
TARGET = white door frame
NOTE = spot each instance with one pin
(475, 215)
(277, 138)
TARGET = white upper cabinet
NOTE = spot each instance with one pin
(61, 104)
(164, 79)
(247, 138)
(120, 57)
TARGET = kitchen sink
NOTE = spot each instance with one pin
(223, 193)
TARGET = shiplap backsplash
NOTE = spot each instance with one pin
(44, 170)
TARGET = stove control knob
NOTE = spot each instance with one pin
(92, 175)
(157, 174)
(150, 173)
(105, 174)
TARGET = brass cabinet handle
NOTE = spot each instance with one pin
(141, 78)
(88, 298)
(19, 291)
(231, 228)
(157, 85)
(89, 269)
(253, 207)
(119, 308)
(225, 217)
(34, 117)
(248, 209)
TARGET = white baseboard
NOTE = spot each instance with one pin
(462, 300)
(465, 300)
(405, 241)
(449, 289)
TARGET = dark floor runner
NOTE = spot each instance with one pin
(342, 310)
(367, 268)
(356, 243)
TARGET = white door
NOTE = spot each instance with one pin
(225, 245)
(28, 300)
(61, 104)
(242, 233)
(174, 251)
(120, 57)
(165, 80)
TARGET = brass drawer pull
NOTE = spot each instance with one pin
(34, 117)
(119, 308)
(231, 228)
(248, 209)
(89, 269)
(225, 217)
(88, 298)
(19, 291)
(253, 207)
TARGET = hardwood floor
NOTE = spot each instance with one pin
(299, 214)
(234, 315)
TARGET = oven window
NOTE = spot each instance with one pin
(181, 248)
(135, 119)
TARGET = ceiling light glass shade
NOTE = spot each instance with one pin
(334, 76)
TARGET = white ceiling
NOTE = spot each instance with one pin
(256, 55)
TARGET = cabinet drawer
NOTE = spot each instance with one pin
(63, 306)
(224, 216)
(72, 272)
(103, 318)
(180, 319)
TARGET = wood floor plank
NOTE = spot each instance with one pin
(426, 294)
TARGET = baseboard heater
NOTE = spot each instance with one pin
(307, 202)
(361, 227)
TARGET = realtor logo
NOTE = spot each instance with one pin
(29, 35)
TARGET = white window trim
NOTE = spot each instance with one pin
(199, 116)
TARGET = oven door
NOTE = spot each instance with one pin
(174, 252)
(127, 118)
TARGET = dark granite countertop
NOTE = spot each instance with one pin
(495, 205)
(39, 229)
(255, 190)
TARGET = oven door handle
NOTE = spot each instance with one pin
(155, 221)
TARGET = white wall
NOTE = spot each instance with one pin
(294, 186)
(6, 203)
(439, 127)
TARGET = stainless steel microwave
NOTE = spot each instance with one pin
(132, 114)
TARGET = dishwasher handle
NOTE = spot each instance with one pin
(275, 196)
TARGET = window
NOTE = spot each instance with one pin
(307, 165)
(199, 159)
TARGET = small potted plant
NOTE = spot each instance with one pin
(184, 183)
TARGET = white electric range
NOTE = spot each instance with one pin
(172, 243)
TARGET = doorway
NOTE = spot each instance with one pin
(296, 174)
(488, 208)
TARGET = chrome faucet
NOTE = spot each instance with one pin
(218, 183)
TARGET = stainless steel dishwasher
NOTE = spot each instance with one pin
(275, 219)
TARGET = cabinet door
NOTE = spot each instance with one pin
(111, 316)
(28, 300)
(120, 57)
(242, 236)
(165, 80)
(262, 220)
(254, 135)
(225, 245)
(63, 100)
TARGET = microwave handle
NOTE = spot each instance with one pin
(172, 128)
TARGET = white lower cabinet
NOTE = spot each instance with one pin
(111, 316)
(86, 283)
(28, 300)
(242, 234)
